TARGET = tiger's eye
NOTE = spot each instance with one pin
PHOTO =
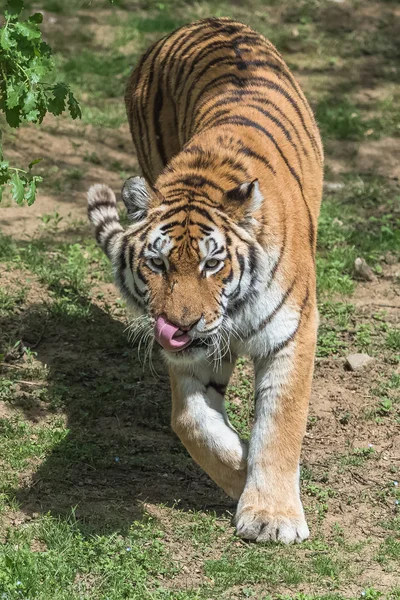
(157, 262)
(212, 263)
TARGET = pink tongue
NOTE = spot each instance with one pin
(169, 336)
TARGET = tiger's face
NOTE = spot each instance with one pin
(185, 266)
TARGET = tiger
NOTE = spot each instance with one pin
(220, 253)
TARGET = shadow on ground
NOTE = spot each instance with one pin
(119, 451)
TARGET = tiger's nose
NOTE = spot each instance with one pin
(183, 325)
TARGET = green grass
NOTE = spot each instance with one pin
(340, 120)
(68, 563)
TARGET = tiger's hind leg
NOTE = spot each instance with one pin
(200, 421)
(270, 508)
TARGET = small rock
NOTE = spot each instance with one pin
(333, 186)
(390, 258)
(363, 271)
(356, 362)
(337, 221)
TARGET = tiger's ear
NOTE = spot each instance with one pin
(136, 195)
(243, 201)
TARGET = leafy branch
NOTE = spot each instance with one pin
(25, 62)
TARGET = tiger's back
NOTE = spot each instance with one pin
(219, 73)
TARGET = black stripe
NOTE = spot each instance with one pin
(107, 240)
(141, 112)
(242, 265)
(189, 198)
(249, 152)
(157, 108)
(256, 81)
(213, 47)
(269, 318)
(105, 221)
(141, 277)
(168, 226)
(197, 43)
(194, 180)
(102, 203)
(121, 278)
(291, 337)
(228, 278)
(205, 228)
(279, 124)
(280, 257)
(250, 293)
(245, 122)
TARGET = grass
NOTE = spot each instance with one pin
(98, 500)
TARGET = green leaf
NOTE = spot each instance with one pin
(14, 7)
(36, 18)
(30, 101)
(14, 94)
(56, 105)
(32, 116)
(13, 116)
(5, 39)
(30, 195)
(73, 106)
(34, 162)
(4, 172)
(28, 29)
(17, 189)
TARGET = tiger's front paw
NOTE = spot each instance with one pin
(271, 523)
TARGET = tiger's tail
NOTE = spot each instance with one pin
(103, 213)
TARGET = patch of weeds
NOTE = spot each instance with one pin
(339, 312)
(371, 594)
(8, 248)
(73, 561)
(322, 495)
(389, 550)
(353, 223)
(326, 566)
(63, 270)
(96, 73)
(392, 524)
(92, 157)
(392, 341)
(51, 220)
(387, 121)
(153, 23)
(363, 336)
(329, 343)
(253, 566)
(74, 174)
(358, 457)
(335, 322)
(109, 115)
(59, 6)
(387, 391)
(202, 529)
(20, 441)
(340, 119)
(10, 299)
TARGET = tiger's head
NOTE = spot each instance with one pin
(187, 265)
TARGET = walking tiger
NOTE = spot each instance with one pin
(220, 255)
